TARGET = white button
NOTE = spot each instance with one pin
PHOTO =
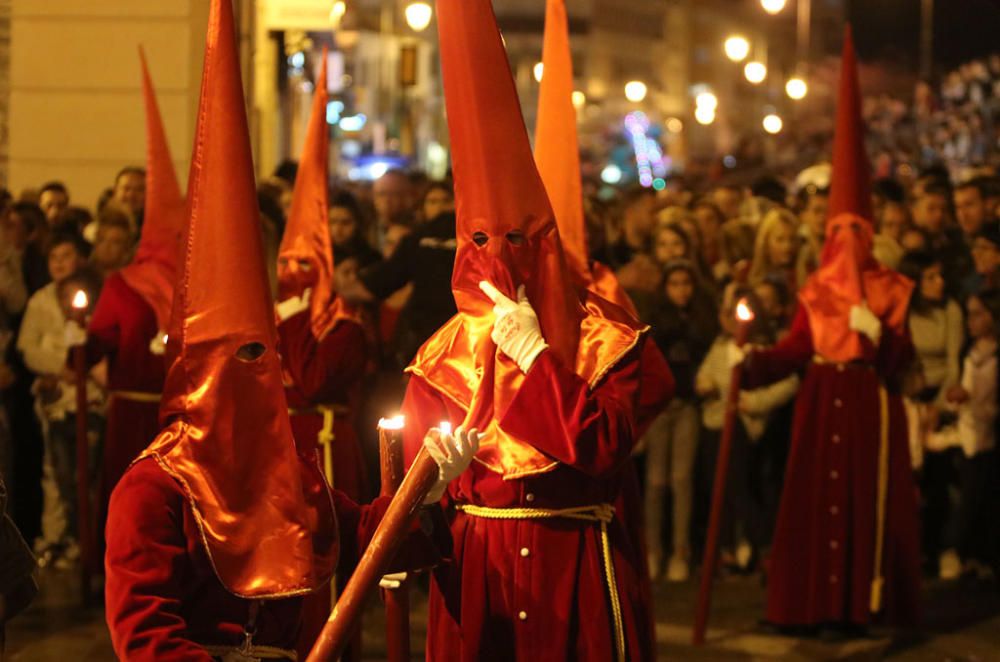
(837, 403)
(834, 544)
(834, 474)
(834, 510)
(529, 497)
(836, 438)
(524, 551)
(522, 615)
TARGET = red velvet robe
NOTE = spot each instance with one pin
(121, 328)
(327, 372)
(163, 600)
(536, 589)
(824, 544)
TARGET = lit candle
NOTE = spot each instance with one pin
(744, 316)
(80, 300)
(444, 427)
(390, 450)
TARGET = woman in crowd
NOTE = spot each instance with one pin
(775, 248)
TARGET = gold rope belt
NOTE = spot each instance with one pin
(136, 396)
(602, 513)
(325, 436)
(252, 652)
(882, 492)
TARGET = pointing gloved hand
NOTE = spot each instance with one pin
(453, 454)
(516, 330)
(865, 322)
(74, 334)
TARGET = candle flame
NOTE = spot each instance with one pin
(444, 427)
(80, 300)
(392, 423)
(744, 312)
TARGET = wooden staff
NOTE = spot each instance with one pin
(397, 601)
(744, 316)
(336, 634)
(80, 304)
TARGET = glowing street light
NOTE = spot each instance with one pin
(579, 99)
(772, 6)
(537, 71)
(755, 72)
(772, 124)
(635, 91)
(704, 114)
(737, 48)
(418, 15)
(337, 11)
(796, 88)
(706, 100)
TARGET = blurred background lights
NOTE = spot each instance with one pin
(704, 115)
(611, 174)
(796, 88)
(537, 71)
(635, 91)
(772, 124)
(579, 99)
(737, 48)
(755, 72)
(418, 15)
(674, 125)
(706, 100)
(772, 6)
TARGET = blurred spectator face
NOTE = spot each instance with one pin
(437, 201)
(894, 221)
(393, 235)
(679, 288)
(932, 284)
(770, 301)
(930, 212)
(781, 246)
(53, 202)
(111, 249)
(343, 225)
(63, 260)
(669, 246)
(813, 215)
(130, 192)
(970, 209)
(986, 256)
(15, 230)
(393, 196)
(728, 200)
(639, 219)
(978, 319)
(345, 272)
(708, 222)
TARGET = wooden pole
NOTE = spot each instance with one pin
(397, 601)
(744, 317)
(419, 480)
(80, 304)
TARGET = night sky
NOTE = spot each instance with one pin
(890, 30)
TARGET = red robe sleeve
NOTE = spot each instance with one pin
(656, 386)
(590, 430)
(146, 568)
(104, 328)
(322, 368)
(791, 354)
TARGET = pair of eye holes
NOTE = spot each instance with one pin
(515, 237)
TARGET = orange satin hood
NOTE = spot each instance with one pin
(266, 518)
(153, 271)
(307, 234)
(501, 203)
(848, 273)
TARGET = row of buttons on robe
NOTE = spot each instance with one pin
(525, 553)
(834, 545)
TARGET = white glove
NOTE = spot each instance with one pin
(392, 581)
(158, 345)
(453, 454)
(74, 334)
(515, 328)
(293, 306)
(734, 355)
(864, 321)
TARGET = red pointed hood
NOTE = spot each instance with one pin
(307, 234)
(557, 150)
(266, 518)
(153, 271)
(507, 235)
(848, 274)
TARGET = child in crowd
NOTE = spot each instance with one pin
(683, 324)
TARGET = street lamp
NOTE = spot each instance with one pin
(755, 72)
(337, 12)
(537, 71)
(704, 115)
(418, 15)
(706, 100)
(796, 88)
(772, 124)
(737, 48)
(635, 91)
(579, 99)
(772, 6)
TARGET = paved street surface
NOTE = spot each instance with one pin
(962, 625)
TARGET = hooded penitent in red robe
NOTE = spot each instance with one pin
(846, 546)
(529, 580)
(217, 531)
(134, 308)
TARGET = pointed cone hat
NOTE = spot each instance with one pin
(307, 233)
(848, 273)
(506, 234)
(153, 271)
(265, 515)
